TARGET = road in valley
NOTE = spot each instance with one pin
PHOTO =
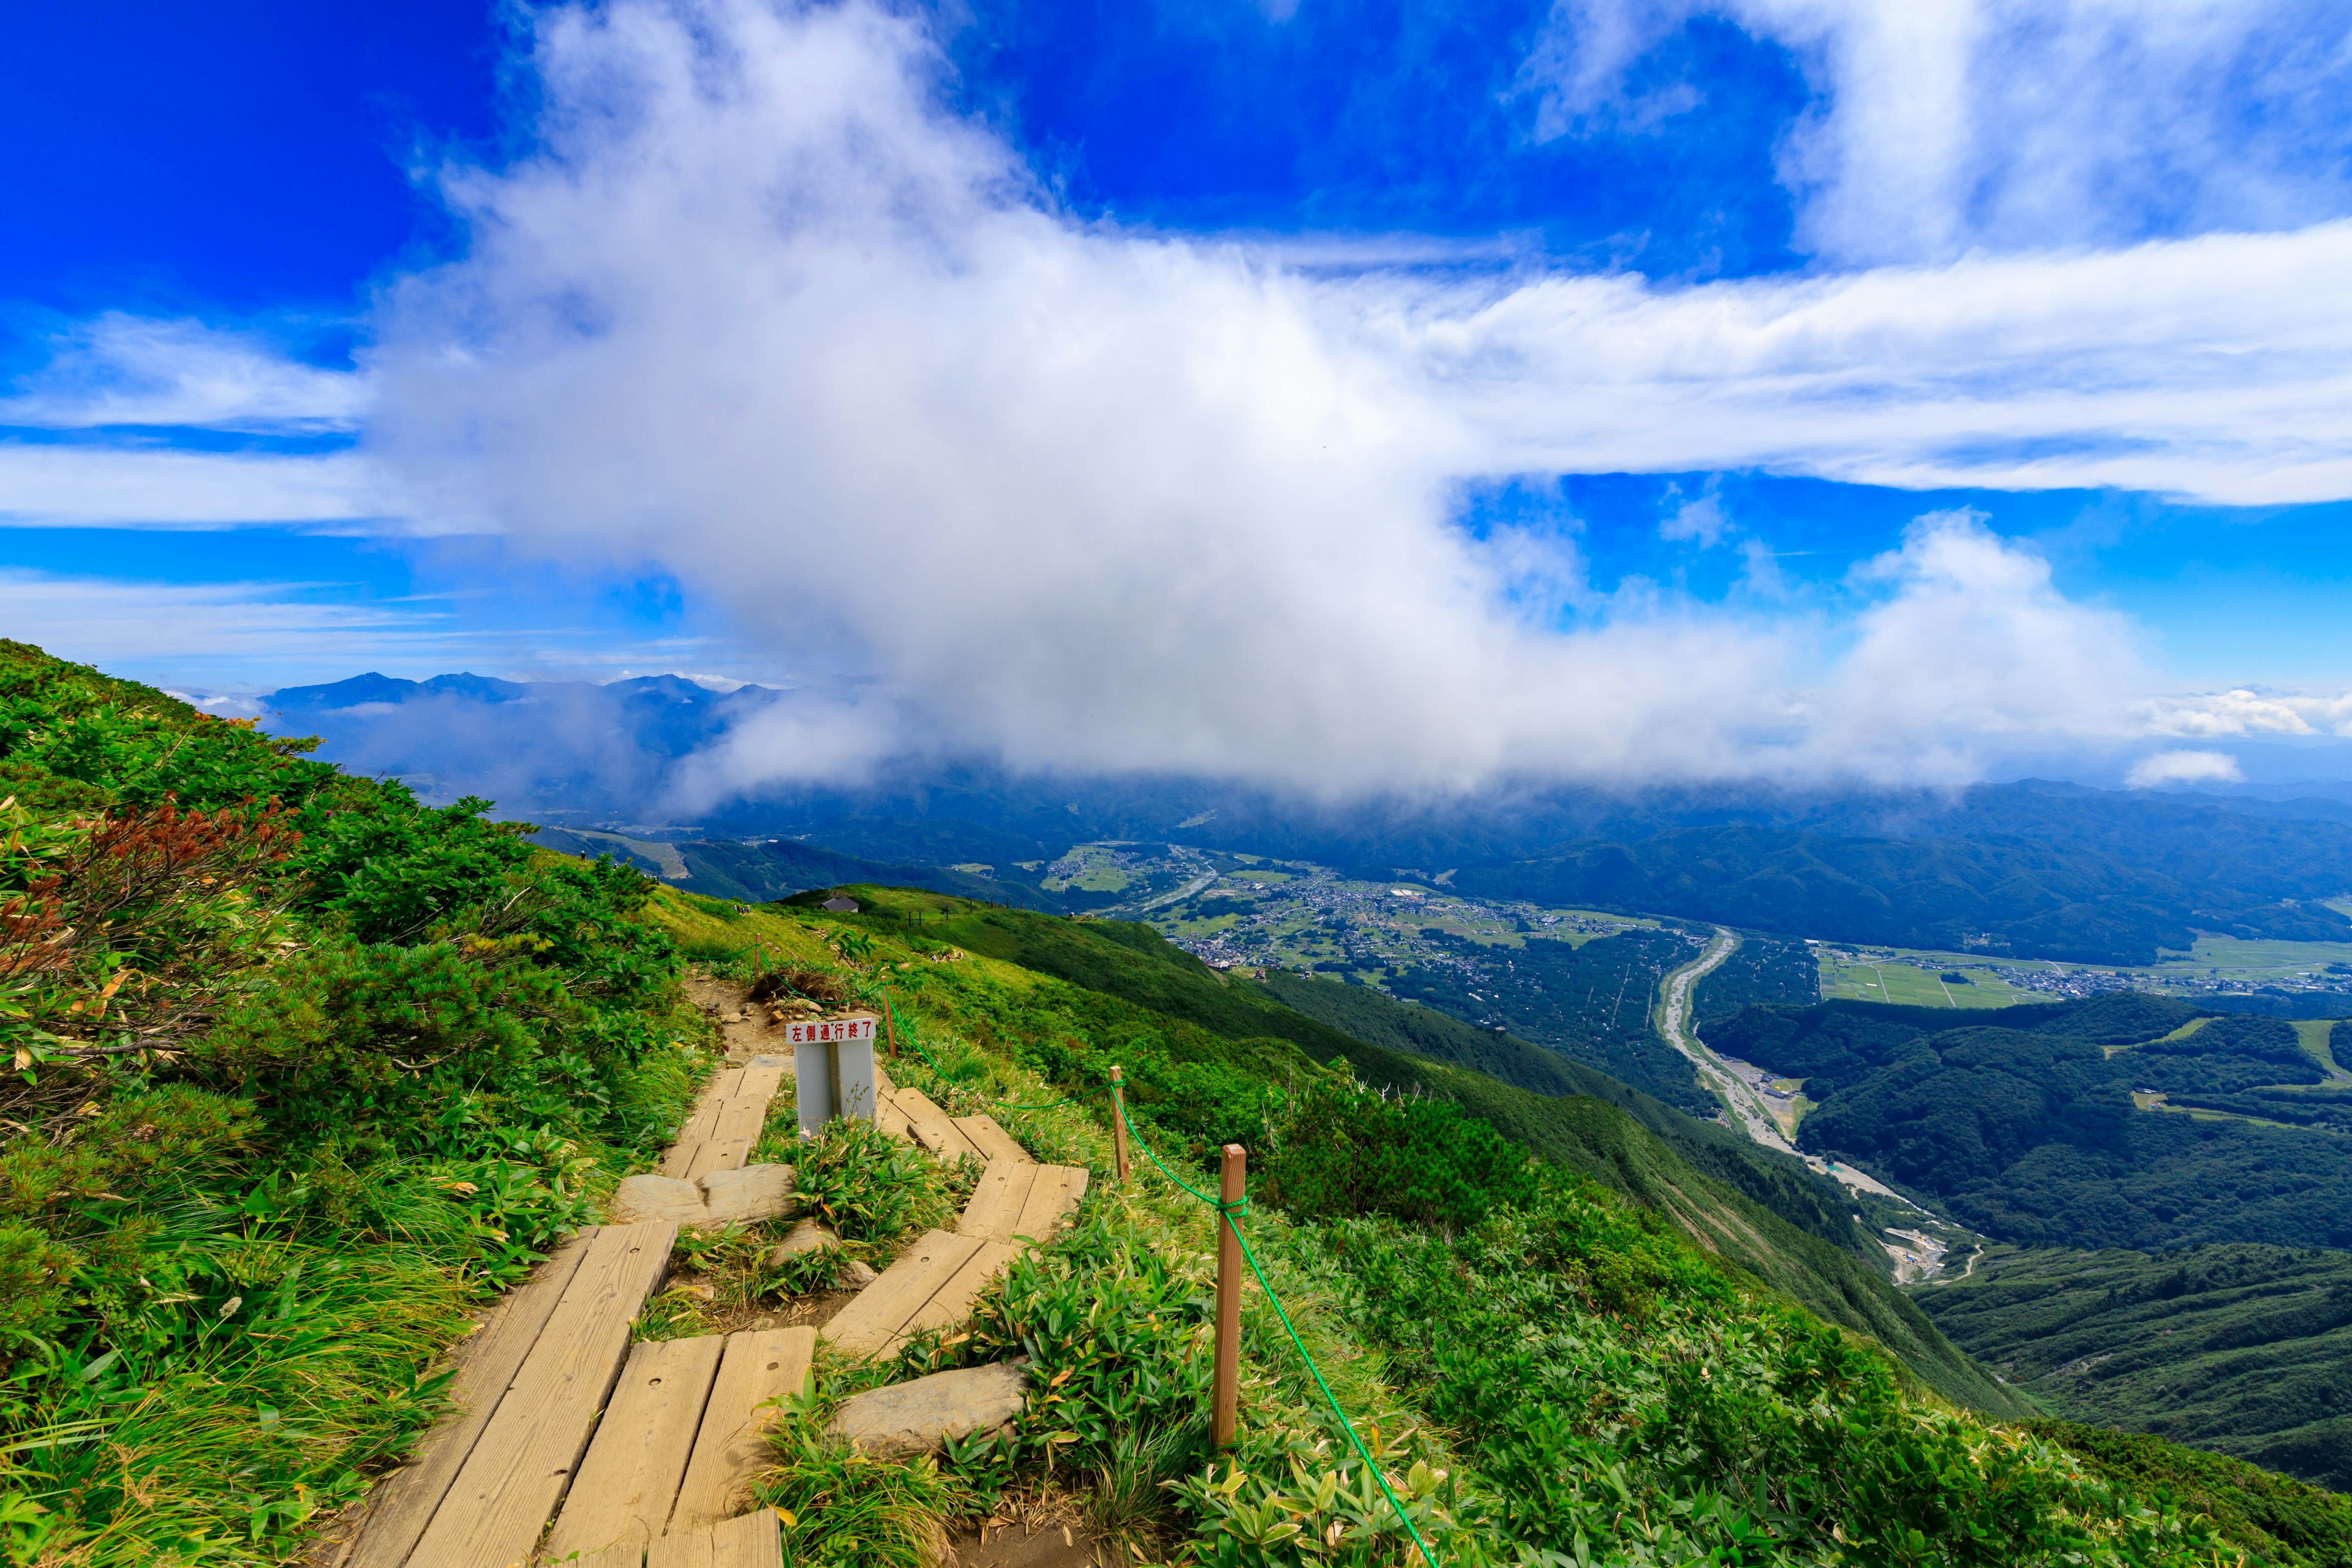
(1741, 1086)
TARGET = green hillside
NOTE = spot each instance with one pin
(1785, 1185)
(1564, 1123)
(2078, 1124)
(2243, 1349)
(305, 1074)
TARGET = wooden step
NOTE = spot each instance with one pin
(763, 1078)
(748, 1542)
(523, 1460)
(1023, 1199)
(732, 1446)
(932, 1285)
(629, 1480)
(993, 1142)
(933, 1128)
(487, 1363)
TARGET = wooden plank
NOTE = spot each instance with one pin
(995, 1207)
(726, 1085)
(629, 1481)
(691, 1550)
(891, 1120)
(679, 1162)
(523, 1461)
(1057, 1190)
(918, 1106)
(753, 1541)
(748, 1541)
(991, 1140)
(875, 1318)
(732, 1445)
(759, 1081)
(488, 1361)
(624, 1554)
(719, 1156)
(951, 1303)
(741, 1119)
(943, 1137)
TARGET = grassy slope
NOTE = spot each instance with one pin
(2245, 1349)
(1783, 1184)
(224, 1266)
(1136, 964)
(1018, 1009)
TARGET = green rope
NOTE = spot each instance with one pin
(1136, 1138)
(1230, 1212)
(1347, 1425)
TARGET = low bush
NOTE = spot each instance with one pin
(302, 1071)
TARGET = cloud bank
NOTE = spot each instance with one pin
(762, 311)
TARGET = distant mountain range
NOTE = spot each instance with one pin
(2032, 870)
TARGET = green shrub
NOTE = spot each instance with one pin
(1339, 1149)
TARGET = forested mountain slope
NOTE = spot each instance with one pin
(2240, 1348)
(2033, 897)
(1135, 963)
(2048, 1130)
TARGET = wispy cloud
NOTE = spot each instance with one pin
(166, 487)
(1944, 125)
(116, 369)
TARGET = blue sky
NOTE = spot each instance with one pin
(1591, 339)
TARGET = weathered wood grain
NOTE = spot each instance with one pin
(993, 1142)
(732, 1446)
(629, 1480)
(994, 1210)
(487, 1363)
(1057, 1192)
(527, 1452)
(873, 1320)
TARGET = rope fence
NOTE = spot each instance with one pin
(1230, 1211)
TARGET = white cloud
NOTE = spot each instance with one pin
(1700, 519)
(2214, 367)
(2184, 768)
(154, 487)
(118, 369)
(2246, 712)
(132, 626)
(1939, 125)
(762, 311)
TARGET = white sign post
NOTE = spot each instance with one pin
(833, 1070)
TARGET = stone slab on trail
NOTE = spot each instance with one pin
(919, 1417)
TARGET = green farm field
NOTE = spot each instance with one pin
(1914, 984)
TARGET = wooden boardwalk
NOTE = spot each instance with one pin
(726, 1120)
(640, 1455)
(935, 1282)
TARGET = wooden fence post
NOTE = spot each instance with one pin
(1232, 1185)
(1119, 1121)
(891, 1026)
